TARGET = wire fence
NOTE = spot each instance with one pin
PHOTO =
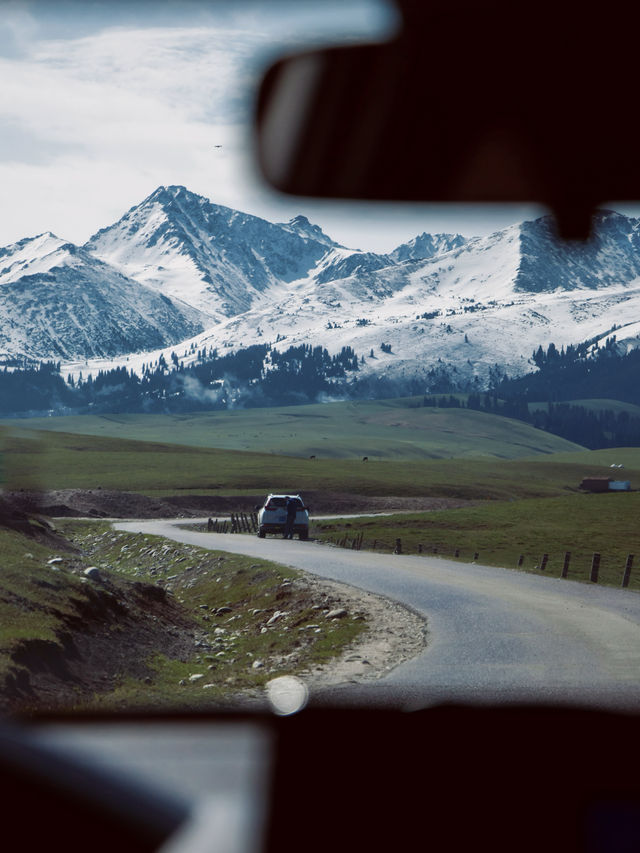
(562, 565)
(238, 522)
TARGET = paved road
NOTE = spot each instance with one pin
(494, 634)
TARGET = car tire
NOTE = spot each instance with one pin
(262, 533)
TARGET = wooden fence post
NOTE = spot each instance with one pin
(398, 548)
(565, 565)
(475, 556)
(595, 566)
(520, 560)
(543, 562)
(210, 525)
(456, 553)
(627, 571)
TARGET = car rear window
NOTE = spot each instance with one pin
(276, 503)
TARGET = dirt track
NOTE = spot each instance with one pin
(104, 503)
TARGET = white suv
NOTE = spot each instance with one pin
(272, 517)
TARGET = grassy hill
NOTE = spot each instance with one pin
(52, 460)
(381, 429)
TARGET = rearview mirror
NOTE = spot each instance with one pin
(472, 103)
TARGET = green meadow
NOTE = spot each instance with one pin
(503, 532)
(478, 456)
(411, 450)
(53, 460)
(523, 481)
(380, 429)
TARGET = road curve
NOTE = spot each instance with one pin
(494, 634)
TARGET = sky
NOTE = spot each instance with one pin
(102, 102)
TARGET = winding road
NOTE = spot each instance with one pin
(494, 634)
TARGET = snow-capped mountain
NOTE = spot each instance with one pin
(33, 255)
(300, 225)
(59, 302)
(426, 246)
(611, 257)
(227, 279)
(479, 304)
(219, 260)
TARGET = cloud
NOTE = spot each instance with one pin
(94, 124)
(200, 74)
(94, 118)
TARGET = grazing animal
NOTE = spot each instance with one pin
(312, 457)
(365, 458)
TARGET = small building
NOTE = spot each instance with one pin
(595, 484)
(619, 486)
(605, 484)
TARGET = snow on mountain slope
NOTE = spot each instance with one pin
(426, 246)
(68, 304)
(300, 225)
(341, 264)
(444, 303)
(33, 255)
(612, 256)
(216, 259)
(482, 269)
(476, 306)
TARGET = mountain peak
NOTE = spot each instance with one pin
(426, 245)
(32, 254)
(301, 225)
(300, 221)
(168, 195)
(213, 257)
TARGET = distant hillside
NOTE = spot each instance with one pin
(383, 429)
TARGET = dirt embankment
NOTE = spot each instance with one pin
(134, 599)
(15, 516)
(105, 503)
(113, 633)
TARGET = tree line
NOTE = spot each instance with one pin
(544, 398)
(258, 375)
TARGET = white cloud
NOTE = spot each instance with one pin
(201, 74)
(107, 117)
(91, 123)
